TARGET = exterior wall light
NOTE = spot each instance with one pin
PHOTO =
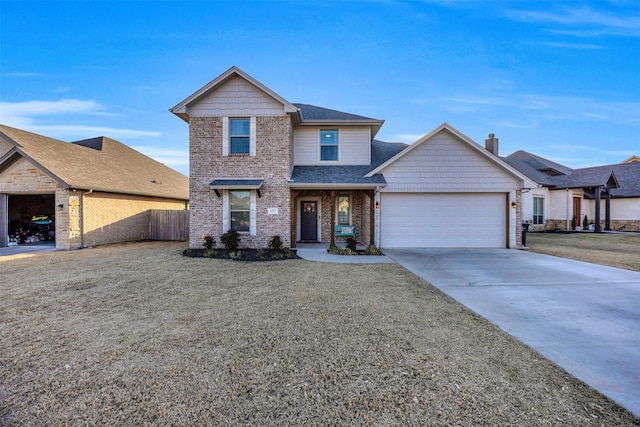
(514, 205)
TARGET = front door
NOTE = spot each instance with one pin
(577, 201)
(309, 221)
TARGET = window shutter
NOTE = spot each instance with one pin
(225, 136)
(225, 211)
(252, 214)
(252, 136)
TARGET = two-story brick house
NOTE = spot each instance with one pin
(264, 166)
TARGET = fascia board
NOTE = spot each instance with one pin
(337, 186)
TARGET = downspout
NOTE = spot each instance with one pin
(569, 214)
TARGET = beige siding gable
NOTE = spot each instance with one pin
(444, 163)
(236, 97)
(354, 145)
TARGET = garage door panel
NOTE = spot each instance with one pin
(443, 220)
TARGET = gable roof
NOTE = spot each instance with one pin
(302, 114)
(100, 164)
(624, 176)
(445, 127)
(309, 176)
(180, 109)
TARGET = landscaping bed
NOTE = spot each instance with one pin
(242, 254)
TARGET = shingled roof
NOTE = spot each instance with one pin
(555, 175)
(313, 113)
(99, 164)
(353, 175)
(541, 170)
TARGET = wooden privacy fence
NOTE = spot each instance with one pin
(169, 225)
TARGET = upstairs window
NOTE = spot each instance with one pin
(328, 145)
(239, 136)
(538, 210)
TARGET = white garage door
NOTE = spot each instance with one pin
(465, 220)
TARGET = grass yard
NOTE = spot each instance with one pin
(616, 250)
(137, 334)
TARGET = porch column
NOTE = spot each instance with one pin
(607, 210)
(294, 194)
(597, 199)
(372, 216)
(332, 215)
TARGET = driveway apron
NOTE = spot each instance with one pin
(583, 317)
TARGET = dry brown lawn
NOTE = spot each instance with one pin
(136, 334)
(615, 250)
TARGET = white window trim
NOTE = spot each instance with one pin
(320, 146)
(226, 213)
(533, 209)
(226, 141)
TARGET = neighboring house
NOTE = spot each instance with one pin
(264, 166)
(608, 195)
(98, 190)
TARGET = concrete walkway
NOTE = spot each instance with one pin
(584, 317)
(318, 252)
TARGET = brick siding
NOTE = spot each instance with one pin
(110, 218)
(272, 163)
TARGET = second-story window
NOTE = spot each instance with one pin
(239, 135)
(329, 145)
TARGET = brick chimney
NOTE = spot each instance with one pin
(491, 144)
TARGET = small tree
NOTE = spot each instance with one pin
(585, 223)
(573, 223)
(230, 240)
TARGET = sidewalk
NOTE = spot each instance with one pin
(318, 252)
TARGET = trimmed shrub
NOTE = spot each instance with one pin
(231, 240)
(275, 243)
(351, 244)
(209, 243)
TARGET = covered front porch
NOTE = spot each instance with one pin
(329, 215)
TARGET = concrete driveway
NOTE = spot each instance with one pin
(24, 251)
(582, 316)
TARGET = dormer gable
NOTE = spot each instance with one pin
(233, 93)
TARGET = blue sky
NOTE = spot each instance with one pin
(558, 79)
